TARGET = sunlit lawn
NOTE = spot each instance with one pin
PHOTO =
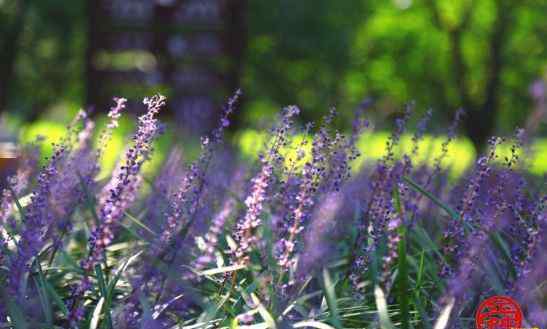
(372, 145)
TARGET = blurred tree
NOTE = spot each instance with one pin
(298, 52)
(480, 55)
(119, 60)
(199, 46)
(12, 16)
(482, 106)
(45, 57)
(189, 49)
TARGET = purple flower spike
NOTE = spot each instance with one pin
(124, 186)
(126, 183)
(212, 236)
(245, 230)
(37, 218)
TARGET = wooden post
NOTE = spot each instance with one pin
(195, 49)
(8, 162)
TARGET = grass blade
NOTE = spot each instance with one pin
(160, 308)
(402, 273)
(312, 324)
(95, 318)
(17, 203)
(139, 223)
(56, 298)
(328, 287)
(433, 198)
(100, 279)
(89, 199)
(104, 293)
(424, 318)
(43, 296)
(268, 318)
(17, 317)
(402, 280)
(381, 304)
(442, 321)
(224, 269)
(114, 281)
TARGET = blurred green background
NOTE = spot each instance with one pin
(487, 56)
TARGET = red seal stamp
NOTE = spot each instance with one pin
(498, 312)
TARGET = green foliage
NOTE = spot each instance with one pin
(460, 155)
(53, 131)
(338, 53)
(393, 50)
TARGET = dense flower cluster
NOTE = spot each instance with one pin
(126, 181)
(245, 231)
(120, 192)
(37, 218)
(304, 236)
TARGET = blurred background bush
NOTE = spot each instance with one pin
(487, 56)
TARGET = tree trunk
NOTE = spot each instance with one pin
(8, 55)
(481, 120)
(92, 76)
(235, 44)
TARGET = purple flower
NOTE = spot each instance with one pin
(180, 213)
(37, 218)
(327, 170)
(245, 230)
(115, 112)
(50, 202)
(444, 148)
(393, 239)
(165, 185)
(455, 233)
(418, 134)
(126, 181)
(318, 237)
(304, 203)
(212, 236)
(18, 183)
(185, 202)
(124, 186)
(400, 126)
(246, 226)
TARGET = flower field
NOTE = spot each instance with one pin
(300, 226)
